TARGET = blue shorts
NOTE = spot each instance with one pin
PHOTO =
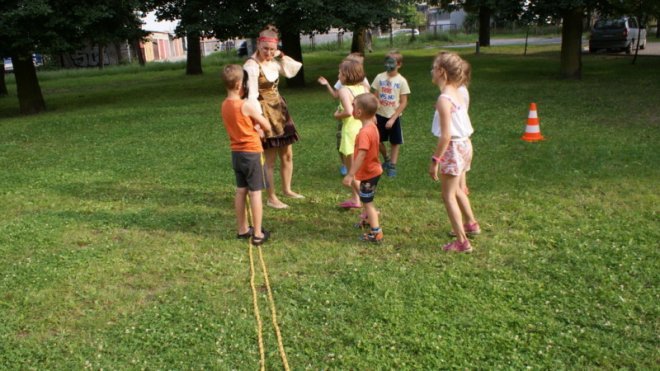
(394, 134)
(368, 189)
(249, 170)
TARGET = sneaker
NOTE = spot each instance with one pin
(370, 237)
(386, 164)
(391, 170)
(258, 241)
(342, 170)
(471, 230)
(458, 247)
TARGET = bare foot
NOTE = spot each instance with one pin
(277, 204)
(293, 195)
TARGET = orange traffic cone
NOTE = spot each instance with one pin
(533, 130)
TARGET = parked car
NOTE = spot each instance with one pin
(242, 49)
(617, 34)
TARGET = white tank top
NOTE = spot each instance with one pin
(461, 127)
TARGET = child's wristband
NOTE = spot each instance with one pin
(435, 159)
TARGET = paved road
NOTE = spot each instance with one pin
(652, 47)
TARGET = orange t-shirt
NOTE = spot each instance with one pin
(242, 135)
(368, 140)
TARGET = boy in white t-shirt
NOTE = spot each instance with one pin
(392, 91)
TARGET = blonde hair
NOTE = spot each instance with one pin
(394, 54)
(232, 75)
(467, 73)
(269, 31)
(453, 66)
(368, 103)
(352, 71)
(358, 57)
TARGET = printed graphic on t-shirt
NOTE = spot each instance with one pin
(386, 96)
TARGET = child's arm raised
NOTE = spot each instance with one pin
(346, 99)
(443, 106)
(322, 80)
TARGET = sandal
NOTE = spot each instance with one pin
(246, 235)
(471, 230)
(458, 246)
(348, 204)
(258, 241)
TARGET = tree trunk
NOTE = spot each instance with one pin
(101, 56)
(357, 44)
(194, 54)
(120, 58)
(484, 26)
(3, 84)
(291, 47)
(28, 90)
(138, 52)
(571, 44)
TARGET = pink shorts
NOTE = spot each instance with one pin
(457, 158)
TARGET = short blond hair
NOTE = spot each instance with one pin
(352, 71)
(394, 54)
(232, 75)
(355, 56)
(368, 103)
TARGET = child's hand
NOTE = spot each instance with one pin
(322, 80)
(390, 123)
(260, 131)
(348, 180)
(433, 171)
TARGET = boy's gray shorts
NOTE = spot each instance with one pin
(249, 170)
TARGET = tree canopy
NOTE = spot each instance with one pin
(56, 26)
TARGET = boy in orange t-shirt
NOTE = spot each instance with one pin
(245, 126)
(366, 167)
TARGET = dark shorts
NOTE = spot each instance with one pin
(368, 189)
(394, 134)
(249, 170)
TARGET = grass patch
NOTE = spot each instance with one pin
(117, 244)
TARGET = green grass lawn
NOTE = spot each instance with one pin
(117, 246)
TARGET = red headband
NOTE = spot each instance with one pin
(268, 39)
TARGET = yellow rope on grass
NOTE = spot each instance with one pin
(262, 353)
(271, 302)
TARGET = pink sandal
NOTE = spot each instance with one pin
(348, 204)
(458, 247)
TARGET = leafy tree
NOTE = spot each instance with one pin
(295, 18)
(486, 9)
(194, 22)
(48, 26)
(411, 18)
(363, 14)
